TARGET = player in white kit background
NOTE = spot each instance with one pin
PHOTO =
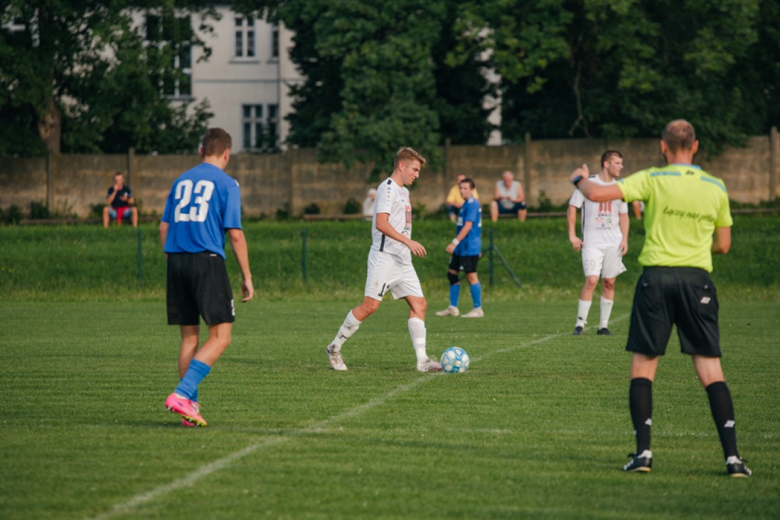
(390, 262)
(604, 242)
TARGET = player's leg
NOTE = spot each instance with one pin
(605, 305)
(722, 407)
(470, 267)
(612, 267)
(134, 216)
(418, 333)
(454, 279)
(699, 334)
(494, 211)
(106, 216)
(585, 301)
(652, 319)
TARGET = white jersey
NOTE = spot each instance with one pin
(600, 220)
(512, 192)
(394, 200)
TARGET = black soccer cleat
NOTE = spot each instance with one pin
(603, 332)
(642, 463)
(577, 331)
(736, 467)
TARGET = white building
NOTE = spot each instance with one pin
(246, 79)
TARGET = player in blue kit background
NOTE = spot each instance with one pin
(203, 205)
(466, 250)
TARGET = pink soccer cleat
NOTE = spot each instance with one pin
(187, 409)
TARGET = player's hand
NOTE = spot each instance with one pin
(576, 243)
(416, 248)
(623, 248)
(247, 290)
(582, 170)
(450, 247)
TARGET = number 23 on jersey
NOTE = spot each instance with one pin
(187, 209)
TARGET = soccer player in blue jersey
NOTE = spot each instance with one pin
(466, 250)
(203, 205)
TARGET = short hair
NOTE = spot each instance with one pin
(609, 154)
(215, 141)
(406, 154)
(118, 173)
(679, 135)
(469, 181)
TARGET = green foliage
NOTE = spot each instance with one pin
(537, 428)
(377, 79)
(12, 215)
(352, 207)
(86, 70)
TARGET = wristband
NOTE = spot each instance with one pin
(577, 179)
(455, 241)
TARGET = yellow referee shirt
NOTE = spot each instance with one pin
(683, 206)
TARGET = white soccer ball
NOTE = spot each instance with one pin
(455, 360)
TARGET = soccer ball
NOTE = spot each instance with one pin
(455, 360)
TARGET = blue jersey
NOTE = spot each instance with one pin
(202, 204)
(471, 211)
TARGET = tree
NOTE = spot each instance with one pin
(612, 69)
(80, 76)
(376, 78)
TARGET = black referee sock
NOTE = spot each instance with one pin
(640, 402)
(723, 414)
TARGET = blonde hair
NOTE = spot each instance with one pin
(407, 154)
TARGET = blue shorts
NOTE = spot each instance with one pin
(513, 210)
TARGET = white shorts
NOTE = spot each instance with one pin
(607, 262)
(386, 273)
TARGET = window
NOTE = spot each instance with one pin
(169, 43)
(275, 42)
(260, 128)
(245, 37)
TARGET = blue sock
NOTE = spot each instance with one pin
(454, 294)
(194, 395)
(188, 387)
(476, 294)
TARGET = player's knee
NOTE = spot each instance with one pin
(453, 278)
(608, 283)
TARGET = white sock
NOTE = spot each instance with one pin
(417, 332)
(583, 308)
(347, 329)
(606, 310)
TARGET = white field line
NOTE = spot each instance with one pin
(227, 460)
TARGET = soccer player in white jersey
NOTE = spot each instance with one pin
(604, 242)
(390, 262)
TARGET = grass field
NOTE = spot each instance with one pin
(538, 428)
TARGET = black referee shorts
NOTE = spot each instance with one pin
(467, 264)
(681, 296)
(198, 285)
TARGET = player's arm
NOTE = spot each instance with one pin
(465, 230)
(721, 242)
(591, 190)
(571, 221)
(163, 233)
(131, 200)
(384, 227)
(496, 195)
(111, 196)
(238, 242)
(624, 225)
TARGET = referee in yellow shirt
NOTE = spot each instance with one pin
(687, 220)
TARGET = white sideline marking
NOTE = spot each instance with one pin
(227, 460)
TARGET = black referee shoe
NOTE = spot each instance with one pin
(736, 467)
(577, 331)
(603, 332)
(641, 463)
